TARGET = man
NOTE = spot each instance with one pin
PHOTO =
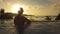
(21, 22)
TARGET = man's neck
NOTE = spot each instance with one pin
(20, 14)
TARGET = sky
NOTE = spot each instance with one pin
(33, 7)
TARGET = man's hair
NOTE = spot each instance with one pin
(21, 11)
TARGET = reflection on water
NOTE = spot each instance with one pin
(7, 27)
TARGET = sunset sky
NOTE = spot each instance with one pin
(32, 7)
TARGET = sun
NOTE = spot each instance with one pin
(15, 8)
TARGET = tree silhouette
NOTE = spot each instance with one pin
(2, 10)
(58, 17)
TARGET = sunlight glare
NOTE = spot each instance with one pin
(15, 8)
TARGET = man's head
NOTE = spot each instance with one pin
(20, 11)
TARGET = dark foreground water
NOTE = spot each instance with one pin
(7, 27)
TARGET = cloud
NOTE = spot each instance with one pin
(37, 2)
(31, 1)
(56, 6)
(37, 6)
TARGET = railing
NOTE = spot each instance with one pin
(47, 21)
(40, 17)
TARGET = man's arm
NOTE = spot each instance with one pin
(27, 22)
